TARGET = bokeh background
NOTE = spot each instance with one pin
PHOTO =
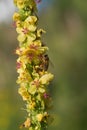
(66, 24)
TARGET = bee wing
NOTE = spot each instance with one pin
(51, 63)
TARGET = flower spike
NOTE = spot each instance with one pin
(32, 66)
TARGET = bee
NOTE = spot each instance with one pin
(44, 64)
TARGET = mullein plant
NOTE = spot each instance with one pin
(32, 66)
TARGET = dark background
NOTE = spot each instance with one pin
(66, 24)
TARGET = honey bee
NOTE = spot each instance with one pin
(44, 64)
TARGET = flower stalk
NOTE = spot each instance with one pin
(32, 65)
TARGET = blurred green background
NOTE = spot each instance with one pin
(66, 24)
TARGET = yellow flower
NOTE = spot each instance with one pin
(46, 78)
(32, 28)
(37, 43)
(41, 89)
(23, 60)
(31, 105)
(19, 30)
(30, 23)
(24, 77)
(23, 3)
(18, 51)
(23, 92)
(35, 86)
(32, 88)
(20, 4)
(32, 4)
(21, 37)
(26, 30)
(31, 19)
(27, 123)
(39, 117)
(28, 36)
(39, 32)
(16, 16)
